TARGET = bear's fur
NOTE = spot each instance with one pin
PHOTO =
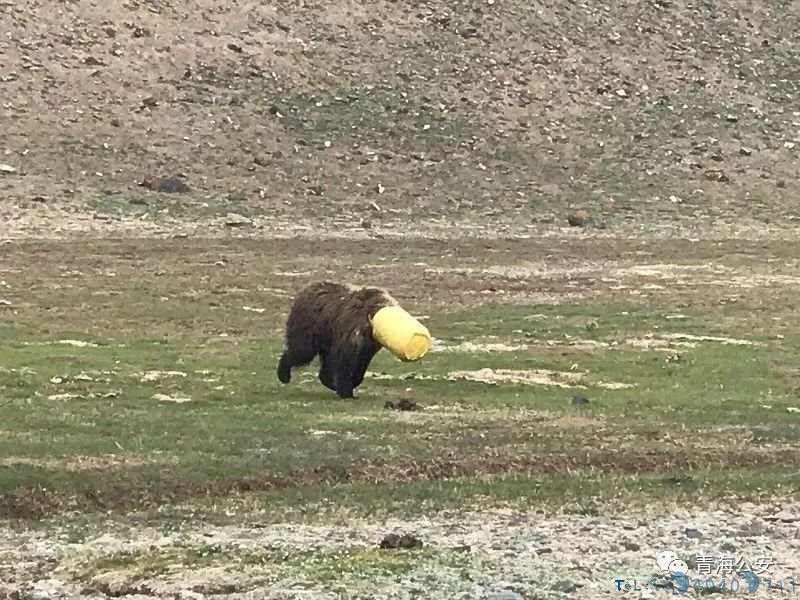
(333, 321)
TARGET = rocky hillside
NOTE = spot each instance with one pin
(497, 114)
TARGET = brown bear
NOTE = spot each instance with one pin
(333, 320)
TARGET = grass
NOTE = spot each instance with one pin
(93, 423)
(312, 567)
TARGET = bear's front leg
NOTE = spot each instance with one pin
(365, 357)
(327, 372)
(344, 375)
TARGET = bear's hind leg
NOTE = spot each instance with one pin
(299, 352)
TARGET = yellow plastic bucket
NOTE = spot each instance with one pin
(400, 333)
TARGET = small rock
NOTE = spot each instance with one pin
(745, 151)
(784, 516)
(579, 400)
(403, 404)
(578, 218)
(591, 325)
(503, 595)
(316, 190)
(169, 185)
(396, 541)
(692, 533)
(236, 220)
(676, 199)
(92, 61)
(633, 546)
(716, 175)
(566, 586)
(7, 168)
(7, 593)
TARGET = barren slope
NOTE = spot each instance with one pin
(495, 114)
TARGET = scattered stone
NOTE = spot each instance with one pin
(503, 595)
(579, 400)
(395, 541)
(403, 404)
(39, 199)
(593, 223)
(91, 61)
(7, 168)
(236, 220)
(784, 516)
(7, 593)
(745, 151)
(591, 325)
(716, 175)
(169, 185)
(692, 533)
(632, 546)
(582, 218)
(578, 218)
(566, 586)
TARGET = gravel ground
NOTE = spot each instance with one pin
(499, 555)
